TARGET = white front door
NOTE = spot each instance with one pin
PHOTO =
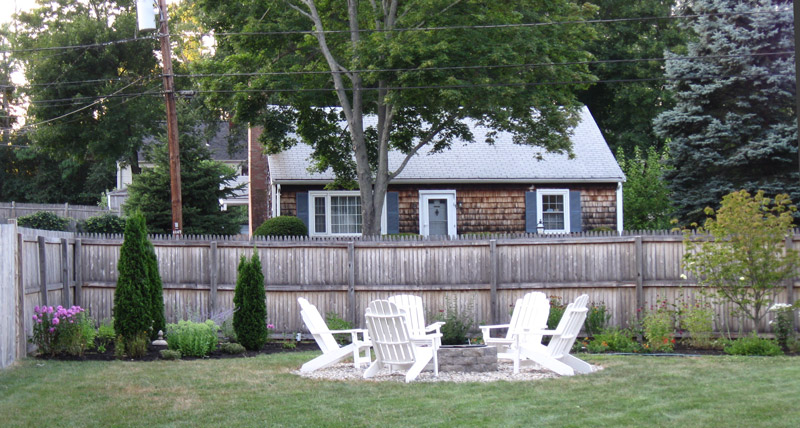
(437, 212)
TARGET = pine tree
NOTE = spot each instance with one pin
(249, 299)
(132, 297)
(156, 291)
(734, 124)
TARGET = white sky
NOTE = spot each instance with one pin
(7, 8)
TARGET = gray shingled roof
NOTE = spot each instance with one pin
(503, 161)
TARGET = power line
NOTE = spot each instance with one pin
(455, 27)
(425, 69)
(476, 67)
(494, 26)
(190, 92)
(86, 46)
(488, 85)
(81, 108)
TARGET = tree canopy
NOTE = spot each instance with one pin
(625, 110)
(393, 60)
(733, 126)
(80, 103)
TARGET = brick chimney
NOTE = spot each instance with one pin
(259, 180)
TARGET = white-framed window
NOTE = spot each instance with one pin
(552, 206)
(336, 213)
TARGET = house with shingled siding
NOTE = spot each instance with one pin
(470, 188)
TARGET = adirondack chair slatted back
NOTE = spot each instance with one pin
(415, 314)
(533, 312)
(317, 326)
(389, 334)
(569, 327)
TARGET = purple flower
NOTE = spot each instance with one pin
(39, 321)
(35, 318)
(270, 326)
(52, 329)
(55, 321)
(36, 308)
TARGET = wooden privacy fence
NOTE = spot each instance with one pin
(482, 277)
(9, 210)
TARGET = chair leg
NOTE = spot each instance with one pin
(373, 369)
(577, 364)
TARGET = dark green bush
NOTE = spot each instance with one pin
(282, 226)
(192, 338)
(753, 345)
(249, 299)
(456, 327)
(232, 348)
(43, 220)
(335, 322)
(596, 319)
(156, 291)
(557, 308)
(132, 301)
(170, 354)
(104, 223)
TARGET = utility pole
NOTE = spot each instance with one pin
(172, 122)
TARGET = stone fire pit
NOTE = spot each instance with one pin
(467, 358)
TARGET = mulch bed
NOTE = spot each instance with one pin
(153, 353)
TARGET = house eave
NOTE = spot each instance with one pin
(609, 180)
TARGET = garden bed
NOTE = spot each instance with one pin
(153, 353)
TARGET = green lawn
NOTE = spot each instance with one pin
(631, 391)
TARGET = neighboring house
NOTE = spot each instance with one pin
(219, 147)
(470, 188)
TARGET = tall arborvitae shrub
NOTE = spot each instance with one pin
(250, 318)
(156, 291)
(132, 301)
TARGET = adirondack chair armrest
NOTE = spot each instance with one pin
(428, 339)
(540, 332)
(435, 326)
(486, 330)
(354, 332)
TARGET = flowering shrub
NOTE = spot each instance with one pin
(659, 328)
(782, 324)
(60, 330)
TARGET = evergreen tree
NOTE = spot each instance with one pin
(132, 303)
(249, 299)
(156, 291)
(203, 183)
(733, 126)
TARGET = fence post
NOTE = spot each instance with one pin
(493, 285)
(790, 282)
(78, 269)
(13, 209)
(65, 289)
(42, 271)
(212, 301)
(639, 260)
(66, 209)
(351, 283)
(21, 333)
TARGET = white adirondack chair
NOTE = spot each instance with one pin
(415, 317)
(332, 353)
(393, 344)
(530, 315)
(555, 356)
